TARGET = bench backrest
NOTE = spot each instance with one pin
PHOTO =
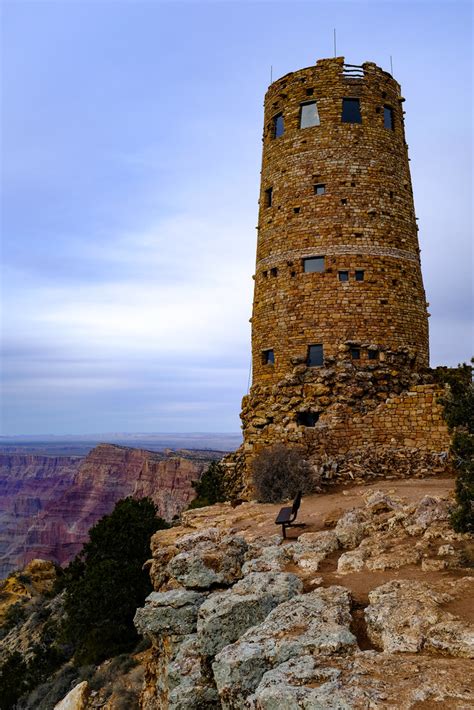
(296, 503)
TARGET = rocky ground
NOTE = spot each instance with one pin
(368, 606)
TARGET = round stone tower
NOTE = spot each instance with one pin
(338, 265)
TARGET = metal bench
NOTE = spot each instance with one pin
(287, 516)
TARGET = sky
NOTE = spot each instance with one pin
(130, 155)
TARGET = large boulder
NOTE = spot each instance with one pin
(169, 613)
(406, 615)
(189, 686)
(351, 528)
(208, 558)
(225, 616)
(317, 623)
(76, 699)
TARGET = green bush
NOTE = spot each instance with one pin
(210, 488)
(105, 583)
(458, 404)
(279, 472)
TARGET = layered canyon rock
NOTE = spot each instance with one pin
(50, 503)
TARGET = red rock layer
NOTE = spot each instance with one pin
(49, 504)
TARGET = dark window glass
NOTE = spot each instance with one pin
(343, 276)
(355, 353)
(313, 264)
(309, 115)
(274, 271)
(278, 125)
(268, 357)
(307, 418)
(359, 275)
(351, 111)
(388, 117)
(319, 189)
(269, 197)
(373, 354)
(315, 355)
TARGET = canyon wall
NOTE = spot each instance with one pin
(50, 503)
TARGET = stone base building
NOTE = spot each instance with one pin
(340, 351)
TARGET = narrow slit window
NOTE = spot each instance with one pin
(351, 111)
(343, 275)
(319, 189)
(278, 125)
(355, 353)
(268, 357)
(315, 356)
(388, 117)
(359, 275)
(269, 197)
(307, 418)
(309, 115)
(313, 264)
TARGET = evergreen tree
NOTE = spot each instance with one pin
(210, 488)
(105, 583)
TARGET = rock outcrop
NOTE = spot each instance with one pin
(49, 504)
(346, 618)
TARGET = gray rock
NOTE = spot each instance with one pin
(316, 623)
(225, 616)
(405, 616)
(209, 561)
(169, 613)
(289, 686)
(351, 528)
(270, 559)
(190, 688)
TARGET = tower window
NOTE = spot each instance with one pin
(315, 356)
(274, 271)
(296, 210)
(313, 264)
(269, 197)
(309, 115)
(319, 189)
(344, 201)
(359, 275)
(307, 418)
(278, 125)
(351, 111)
(343, 275)
(388, 117)
(373, 354)
(355, 353)
(268, 357)
(309, 92)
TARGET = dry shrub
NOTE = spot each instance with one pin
(279, 472)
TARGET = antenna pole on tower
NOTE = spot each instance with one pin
(271, 73)
(391, 65)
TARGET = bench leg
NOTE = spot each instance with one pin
(283, 531)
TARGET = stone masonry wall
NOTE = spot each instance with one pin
(364, 221)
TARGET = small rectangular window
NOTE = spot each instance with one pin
(307, 418)
(388, 117)
(319, 189)
(343, 276)
(313, 264)
(274, 271)
(309, 115)
(355, 353)
(278, 125)
(269, 197)
(373, 354)
(315, 356)
(268, 357)
(359, 275)
(351, 111)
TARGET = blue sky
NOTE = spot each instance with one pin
(131, 147)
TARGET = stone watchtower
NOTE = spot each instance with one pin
(337, 253)
(340, 323)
